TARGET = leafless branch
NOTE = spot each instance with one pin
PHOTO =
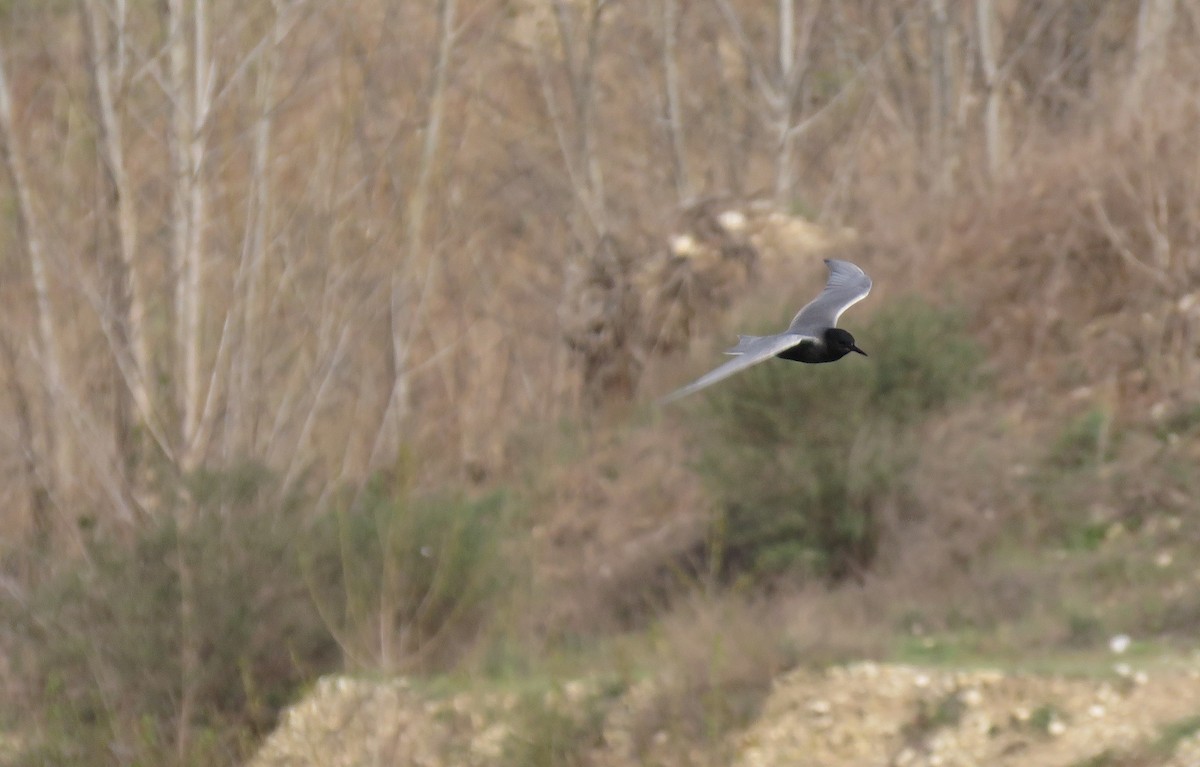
(30, 230)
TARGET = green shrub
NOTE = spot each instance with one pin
(276, 598)
(1064, 479)
(428, 571)
(804, 459)
(102, 641)
(1084, 443)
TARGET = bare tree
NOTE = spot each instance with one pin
(244, 409)
(191, 80)
(940, 84)
(994, 140)
(576, 130)
(781, 86)
(1154, 22)
(190, 95)
(29, 226)
(413, 279)
(675, 118)
(40, 502)
(124, 316)
(599, 307)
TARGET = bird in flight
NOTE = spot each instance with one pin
(812, 337)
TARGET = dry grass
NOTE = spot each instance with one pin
(616, 513)
(710, 668)
(1083, 264)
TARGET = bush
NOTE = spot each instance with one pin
(102, 640)
(428, 572)
(803, 460)
(276, 600)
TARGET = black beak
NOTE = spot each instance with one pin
(860, 351)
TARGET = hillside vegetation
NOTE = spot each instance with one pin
(330, 330)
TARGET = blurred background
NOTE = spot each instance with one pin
(329, 333)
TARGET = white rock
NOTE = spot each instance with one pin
(732, 221)
(684, 245)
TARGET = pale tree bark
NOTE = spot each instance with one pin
(181, 192)
(202, 82)
(419, 199)
(31, 234)
(584, 98)
(939, 93)
(787, 35)
(1155, 19)
(675, 127)
(413, 280)
(784, 105)
(191, 100)
(40, 503)
(126, 314)
(190, 93)
(993, 129)
(421, 262)
(245, 408)
(232, 394)
(780, 86)
(576, 130)
(794, 59)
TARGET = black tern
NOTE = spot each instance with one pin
(812, 337)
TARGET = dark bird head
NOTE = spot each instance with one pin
(840, 343)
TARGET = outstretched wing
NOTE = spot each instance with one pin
(744, 343)
(749, 354)
(847, 286)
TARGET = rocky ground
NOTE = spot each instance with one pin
(858, 714)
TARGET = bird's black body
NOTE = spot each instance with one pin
(813, 336)
(837, 344)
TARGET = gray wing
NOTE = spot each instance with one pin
(847, 286)
(752, 353)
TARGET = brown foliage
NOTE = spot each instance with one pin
(366, 291)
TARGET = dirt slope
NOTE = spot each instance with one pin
(860, 714)
(903, 715)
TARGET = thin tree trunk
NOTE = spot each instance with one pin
(189, 107)
(419, 200)
(127, 320)
(939, 91)
(583, 163)
(787, 36)
(985, 17)
(197, 229)
(783, 104)
(779, 88)
(244, 407)
(181, 122)
(406, 311)
(794, 64)
(103, 73)
(40, 504)
(190, 103)
(670, 21)
(30, 232)
(1155, 19)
